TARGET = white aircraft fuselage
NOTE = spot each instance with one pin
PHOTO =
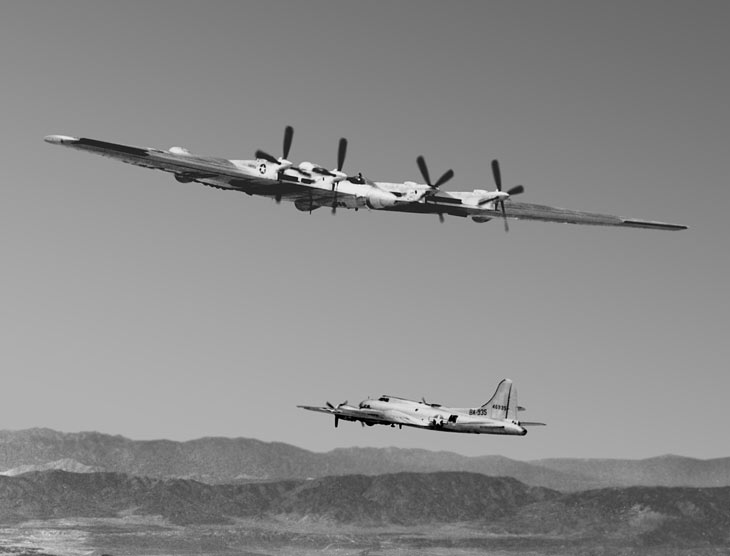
(441, 418)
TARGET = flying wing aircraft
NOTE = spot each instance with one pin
(311, 186)
(497, 416)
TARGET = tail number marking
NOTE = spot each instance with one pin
(483, 411)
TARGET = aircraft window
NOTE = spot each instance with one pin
(384, 399)
(365, 179)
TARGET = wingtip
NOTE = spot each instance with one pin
(652, 225)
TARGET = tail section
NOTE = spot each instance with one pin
(503, 404)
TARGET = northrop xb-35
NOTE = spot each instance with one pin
(311, 186)
(497, 416)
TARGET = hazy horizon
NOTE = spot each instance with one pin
(356, 446)
(139, 306)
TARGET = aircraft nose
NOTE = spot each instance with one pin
(59, 139)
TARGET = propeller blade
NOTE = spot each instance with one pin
(504, 216)
(266, 156)
(328, 404)
(441, 217)
(497, 174)
(323, 171)
(341, 152)
(424, 169)
(288, 136)
(277, 198)
(516, 190)
(343, 403)
(443, 179)
(337, 421)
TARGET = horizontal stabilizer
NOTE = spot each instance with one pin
(531, 424)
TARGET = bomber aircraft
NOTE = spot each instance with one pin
(497, 416)
(311, 186)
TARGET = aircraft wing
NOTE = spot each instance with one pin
(372, 416)
(529, 211)
(348, 412)
(318, 408)
(196, 167)
(213, 171)
(444, 203)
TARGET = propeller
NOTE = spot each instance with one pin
(341, 152)
(446, 176)
(329, 405)
(427, 178)
(288, 137)
(516, 190)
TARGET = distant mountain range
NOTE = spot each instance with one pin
(406, 498)
(227, 460)
(498, 506)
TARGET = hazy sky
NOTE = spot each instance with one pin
(136, 305)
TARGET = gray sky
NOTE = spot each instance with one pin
(136, 305)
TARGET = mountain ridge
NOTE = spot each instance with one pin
(220, 460)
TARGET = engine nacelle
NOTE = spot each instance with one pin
(182, 151)
(183, 178)
(379, 199)
(305, 205)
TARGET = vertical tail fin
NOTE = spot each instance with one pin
(503, 404)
